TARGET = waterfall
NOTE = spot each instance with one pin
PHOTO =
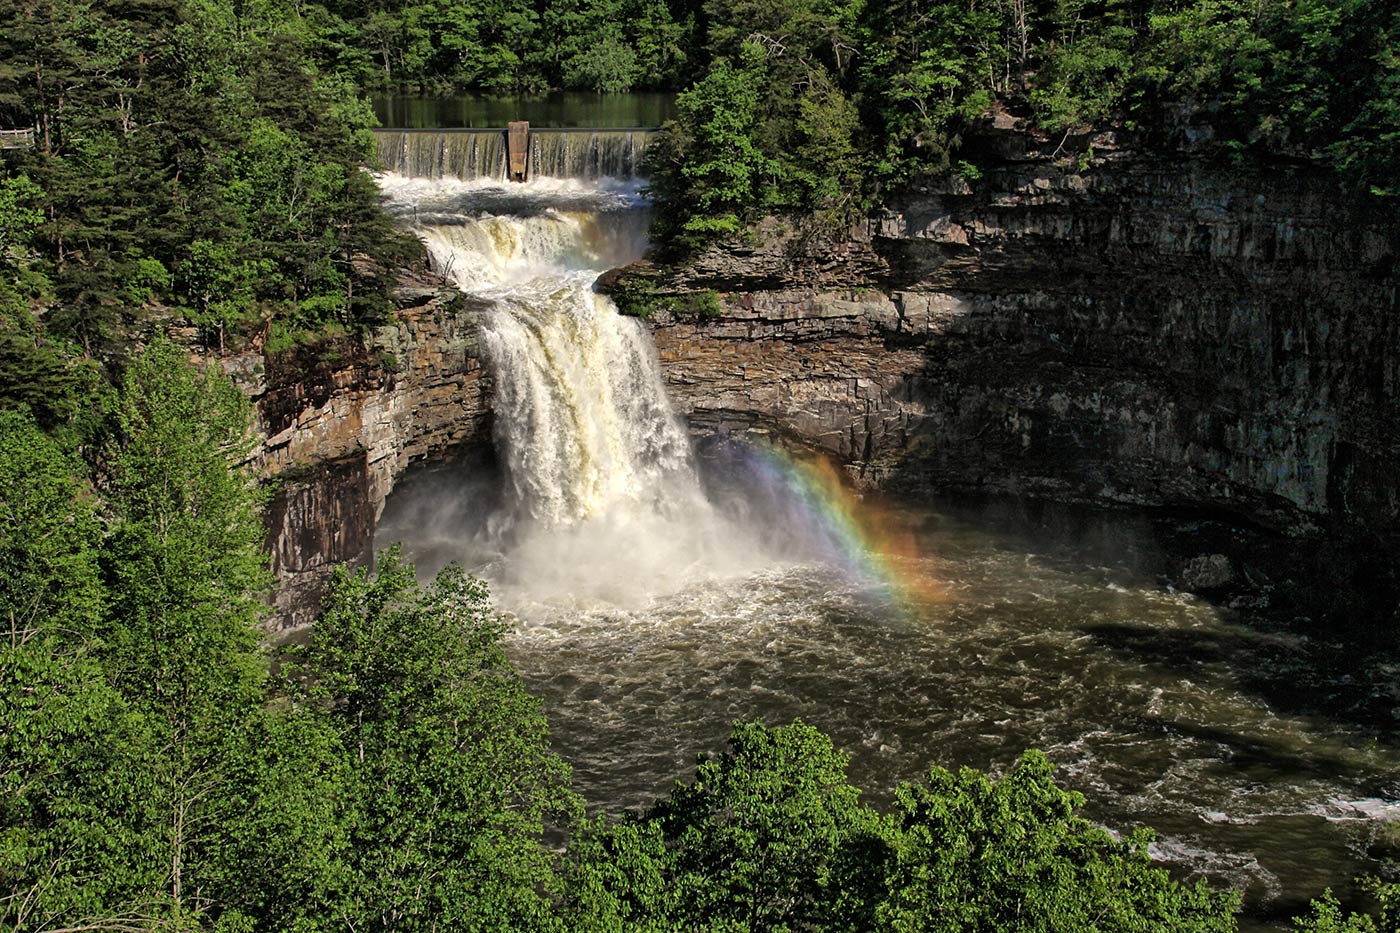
(583, 424)
(581, 413)
(588, 153)
(463, 154)
(477, 154)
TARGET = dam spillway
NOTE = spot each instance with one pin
(469, 154)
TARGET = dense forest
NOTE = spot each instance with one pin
(823, 108)
(200, 163)
(200, 160)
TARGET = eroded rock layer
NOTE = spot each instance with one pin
(1136, 329)
(1142, 331)
(341, 424)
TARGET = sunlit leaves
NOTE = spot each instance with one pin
(770, 836)
(447, 773)
(979, 854)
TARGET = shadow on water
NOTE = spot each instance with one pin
(1308, 632)
(1294, 674)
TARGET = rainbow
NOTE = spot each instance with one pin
(869, 543)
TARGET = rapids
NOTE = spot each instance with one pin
(657, 595)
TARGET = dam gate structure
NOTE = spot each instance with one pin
(517, 152)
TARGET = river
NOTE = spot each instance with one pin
(656, 593)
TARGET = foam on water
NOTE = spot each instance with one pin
(472, 154)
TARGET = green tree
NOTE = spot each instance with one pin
(48, 535)
(169, 123)
(661, 41)
(710, 170)
(74, 794)
(617, 877)
(768, 836)
(285, 860)
(1327, 915)
(72, 783)
(184, 569)
(1013, 854)
(756, 834)
(927, 70)
(450, 778)
(1087, 63)
(608, 65)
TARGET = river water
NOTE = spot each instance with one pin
(656, 595)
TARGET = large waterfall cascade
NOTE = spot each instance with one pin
(602, 499)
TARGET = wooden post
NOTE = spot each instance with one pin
(518, 149)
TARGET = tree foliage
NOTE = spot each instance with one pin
(448, 778)
(854, 99)
(977, 854)
(1327, 916)
(770, 836)
(70, 768)
(191, 155)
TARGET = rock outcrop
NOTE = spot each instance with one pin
(1144, 329)
(342, 422)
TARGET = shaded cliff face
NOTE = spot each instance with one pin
(1142, 331)
(341, 425)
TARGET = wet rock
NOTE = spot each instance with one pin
(341, 423)
(1205, 573)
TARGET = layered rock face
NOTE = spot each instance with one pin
(340, 428)
(1139, 329)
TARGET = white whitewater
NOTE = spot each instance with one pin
(603, 503)
(468, 154)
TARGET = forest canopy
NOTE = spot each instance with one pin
(201, 161)
(200, 165)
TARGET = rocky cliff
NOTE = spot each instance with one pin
(1132, 327)
(1128, 325)
(341, 422)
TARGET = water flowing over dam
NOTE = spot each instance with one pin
(657, 592)
(468, 154)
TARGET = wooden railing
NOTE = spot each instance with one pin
(17, 139)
